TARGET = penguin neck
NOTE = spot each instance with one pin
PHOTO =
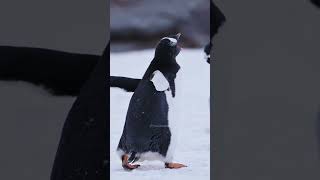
(165, 65)
(169, 67)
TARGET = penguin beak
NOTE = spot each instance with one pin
(179, 48)
(177, 36)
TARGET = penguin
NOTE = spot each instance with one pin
(148, 130)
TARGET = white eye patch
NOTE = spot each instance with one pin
(172, 40)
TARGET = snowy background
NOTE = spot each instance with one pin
(138, 24)
(193, 148)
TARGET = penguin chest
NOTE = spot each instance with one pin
(173, 118)
(164, 125)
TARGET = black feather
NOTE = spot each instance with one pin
(61, 73)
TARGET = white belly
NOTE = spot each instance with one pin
(173, 118)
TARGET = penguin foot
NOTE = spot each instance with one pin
(126, 165)
(174, 165)
(130, 166)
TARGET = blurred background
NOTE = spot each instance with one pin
(139, 24)
(266, 91)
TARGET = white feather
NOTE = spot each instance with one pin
(172, 40)
(159, 81)
(173, 117)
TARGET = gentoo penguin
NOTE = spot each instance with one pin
(147, 134)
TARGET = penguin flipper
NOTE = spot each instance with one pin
(125, 83)
(159, 81)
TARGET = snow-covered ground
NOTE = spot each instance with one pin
(193, 148)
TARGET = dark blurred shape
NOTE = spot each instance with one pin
(316, 2)
(139, 24)
(61, 72)
(318, 130)
(124, 3)
(207, 50)
(83, 151)
(217, 19)
(266, 91)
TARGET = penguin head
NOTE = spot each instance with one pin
(168, 46)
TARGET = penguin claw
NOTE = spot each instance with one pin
(133, 158)
(174, 165)
(126, 165)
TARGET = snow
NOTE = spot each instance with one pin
(193, 146)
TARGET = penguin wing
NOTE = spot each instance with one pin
(159, 81)
(27, 64)
(125, 83)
